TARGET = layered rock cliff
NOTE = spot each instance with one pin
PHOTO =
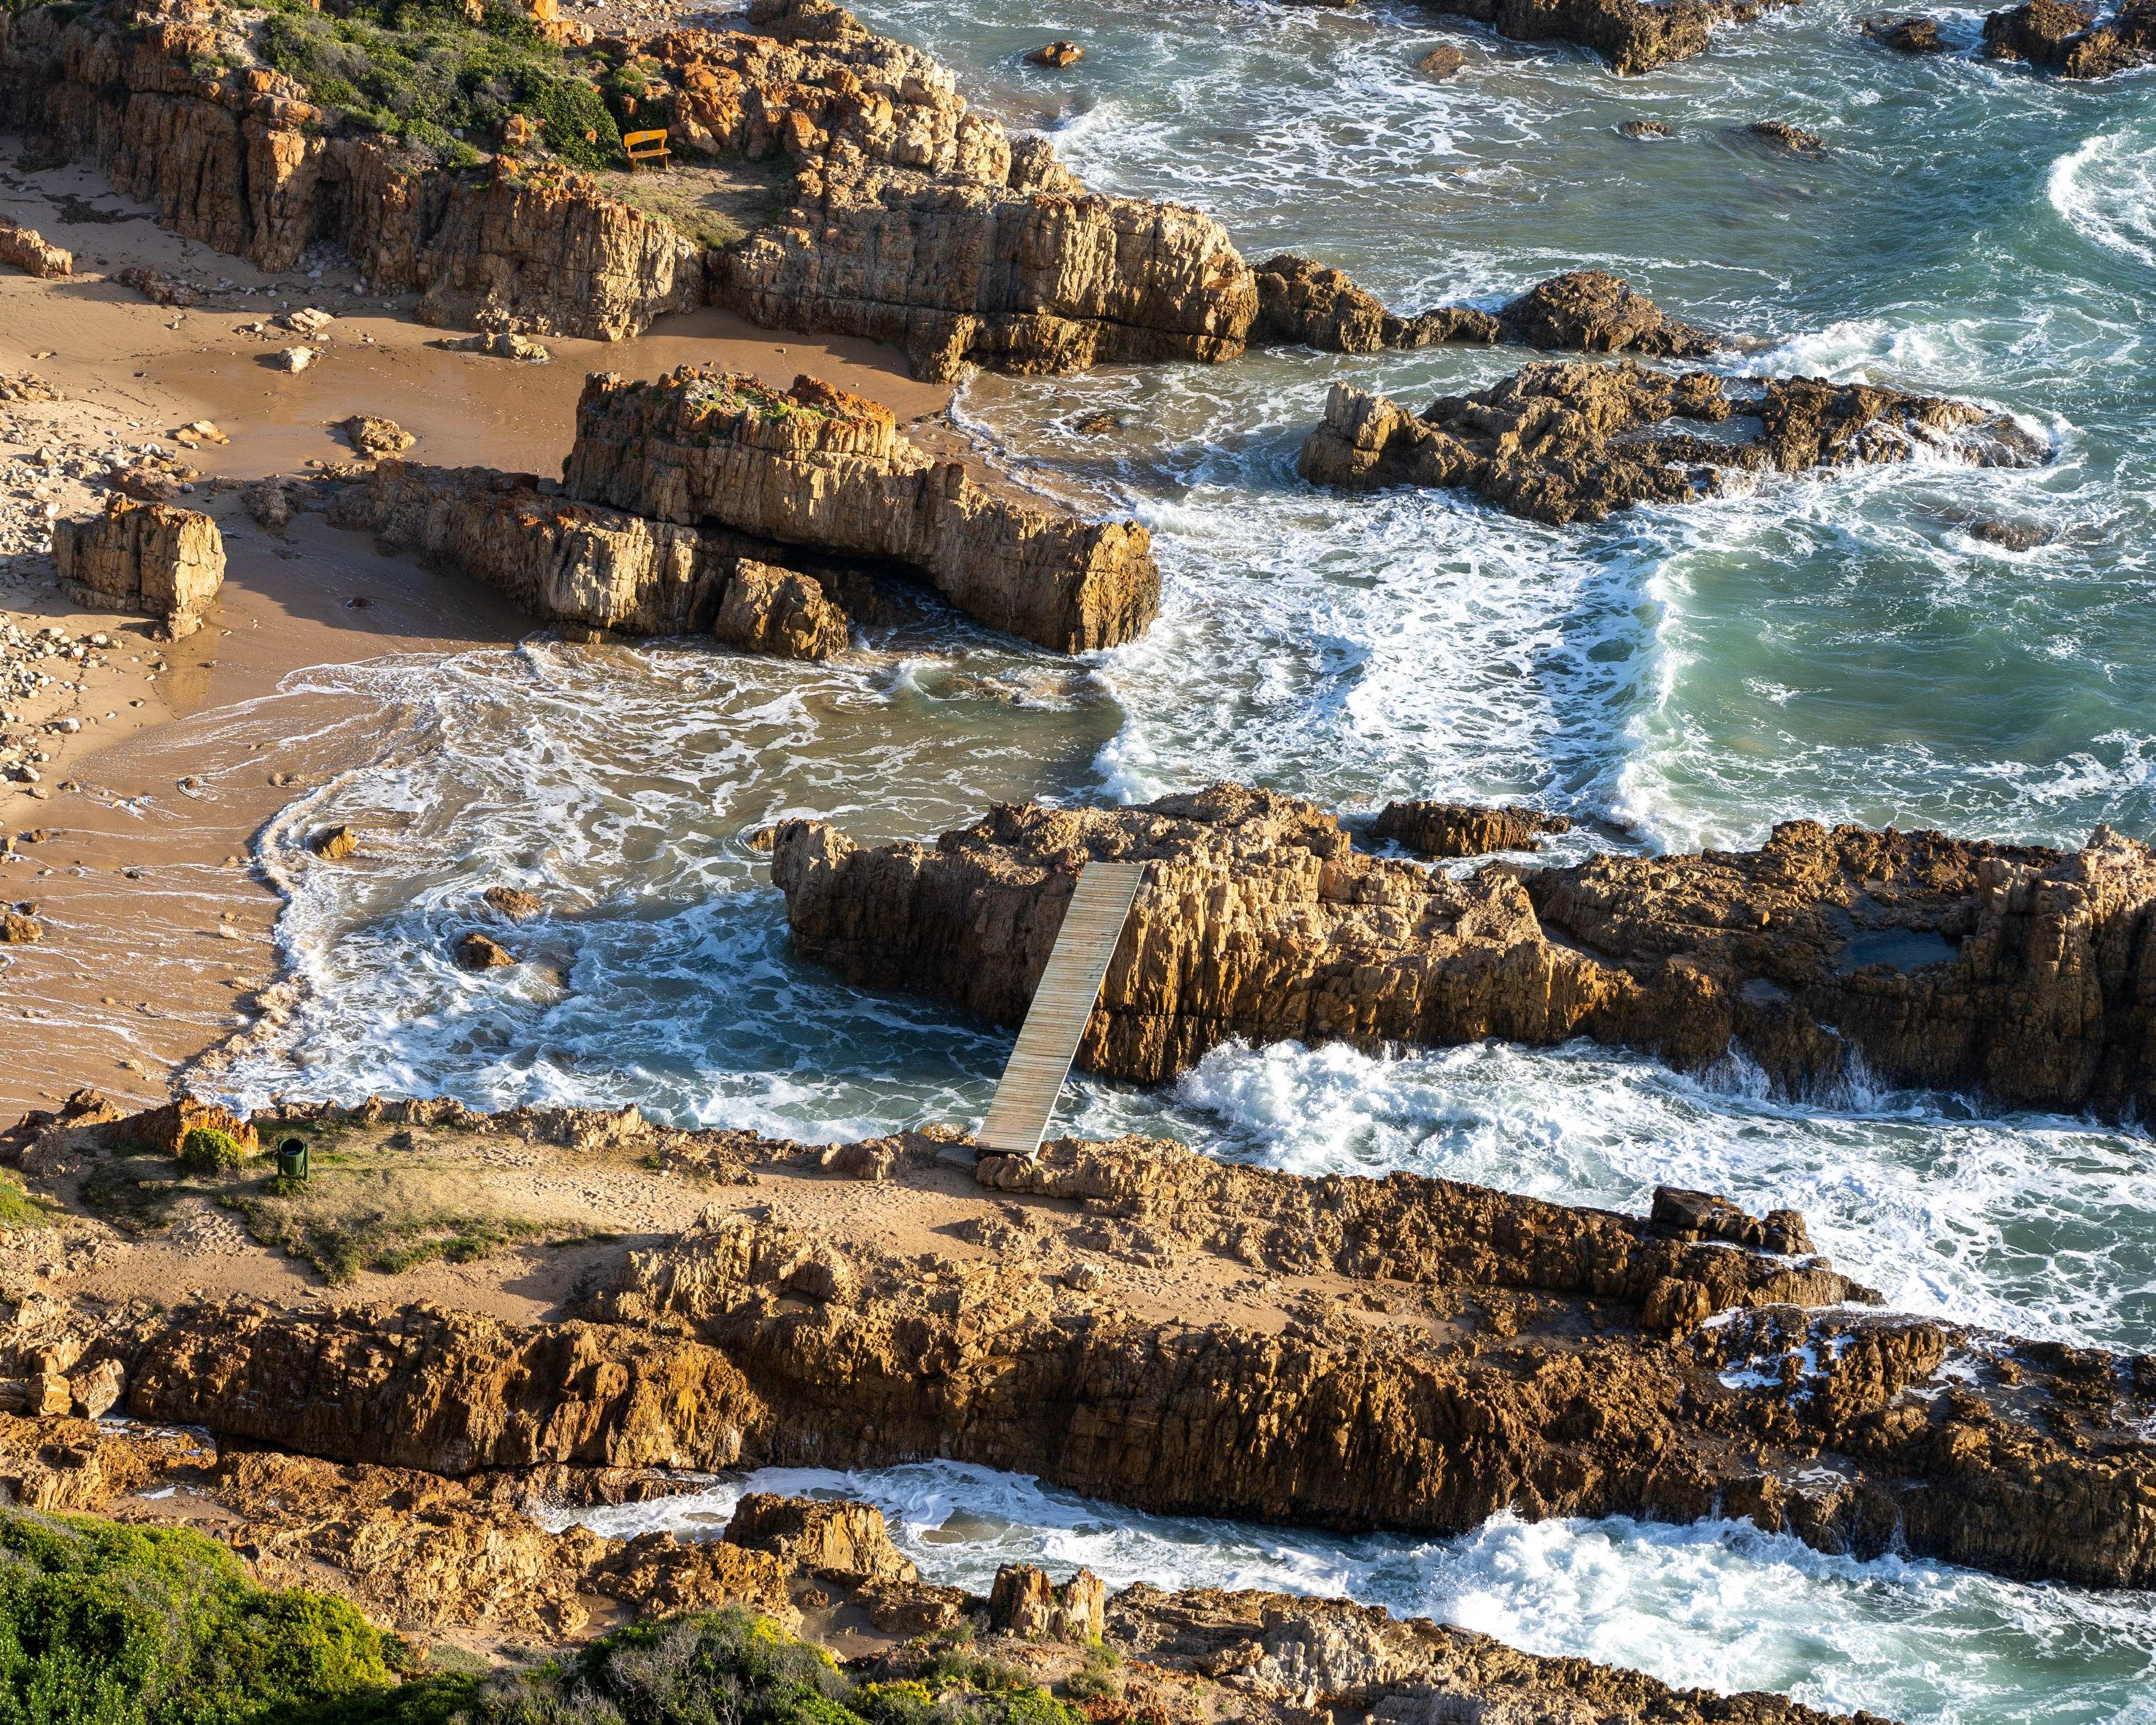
(1570, 442)
(240, 160)
(815, 466)
(2025, 973)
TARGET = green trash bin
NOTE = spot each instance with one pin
(292, 1159)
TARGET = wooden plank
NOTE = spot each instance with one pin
(1055, 1022)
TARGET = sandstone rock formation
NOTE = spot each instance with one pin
(32, 253)
(241, 161)
(817, 467)
(1593, 311)
(1937, 962)
(1464, 829)
(1416, 1353)
(1633, 35)
(1563, 442)
(148, 558)
(2064, 37)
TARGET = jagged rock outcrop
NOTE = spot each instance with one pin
(566, 562)
(1593, 311)
(1568, 442)
(1301, 300)
(841, 1542)
(1958, 964)
(815, 466)
(1584, 311)
(1914, 34)
(1596, 1391)
(2064, 37)
(239, 159)
(32, 253)
(148, 558)
(1464, 829)
(1633, 35)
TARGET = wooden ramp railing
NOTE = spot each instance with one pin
(1047, 1040)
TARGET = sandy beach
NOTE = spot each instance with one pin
(157, 922)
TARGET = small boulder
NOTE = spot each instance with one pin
(502, 344)
(1645, 129)
(477, 951)
(164, 1130)
(297, 359)
(334, 843)
(1056, 53)
(1783, 136)
(145, 484)
(374, 437)
(1909, 35)
(269, 501)
(514, 902)
(17, 929)
(780, 612)
(1441, 61)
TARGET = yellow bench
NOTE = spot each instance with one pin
(646, 146)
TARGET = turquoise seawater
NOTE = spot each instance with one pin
(1843, 646)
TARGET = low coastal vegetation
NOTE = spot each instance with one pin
(444, 85)
(384, 1203)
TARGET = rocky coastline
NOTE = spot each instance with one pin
(2017, 972)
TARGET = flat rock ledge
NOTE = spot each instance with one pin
(1922, 960)
(707, 501)
(1136, 1321)
(1577, 441)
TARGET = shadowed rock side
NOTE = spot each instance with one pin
(239, 159)
(2065, 38)
(1570, 442)
(820, 468)
(1633, 35)
(1951, 963)
(1584, 311)
(566, 562)
(1415, 1354)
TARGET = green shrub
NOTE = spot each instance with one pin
(205, 1150)
(420, 72)
(1096, 1680)
(733, 1668)
(105, 1625)
(19, 1210)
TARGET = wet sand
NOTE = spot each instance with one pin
(158, 924)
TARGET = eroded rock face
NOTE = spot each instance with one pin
(450, 1393)
(1633, 35)
(780, 612)
(1952, 964)
(841, 1542)
(2065, 38)
(238, 159)
(1465, 828)
(1572, 441)
(148, 558)
(1593, 311)
(32, 253)
(1300, 300)
(816, 466)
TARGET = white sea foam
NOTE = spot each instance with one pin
(1717, 1605)
(2105, 190)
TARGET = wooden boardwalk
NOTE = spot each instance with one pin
(1047, 1041)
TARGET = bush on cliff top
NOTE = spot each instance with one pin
(105, 1625)
(732, 1667)
(420, 71)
